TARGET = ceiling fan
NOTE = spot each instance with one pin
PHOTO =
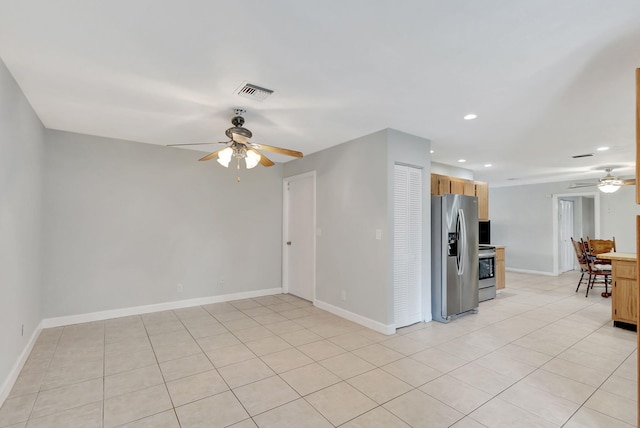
(607, 184)
(239, 146)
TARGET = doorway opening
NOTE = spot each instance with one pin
(575, 215)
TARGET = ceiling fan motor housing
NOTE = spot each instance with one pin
(237, 120)
(238, 134)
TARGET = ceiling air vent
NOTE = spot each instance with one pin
(586, 155)
(253, 92)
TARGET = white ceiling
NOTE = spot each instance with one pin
(548, 79)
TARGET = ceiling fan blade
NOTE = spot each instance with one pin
(210, 155)
(196, 144)
(579, 185)
(264, 161)
(277, 150)
(629, 182)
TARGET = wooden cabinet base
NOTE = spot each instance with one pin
(624, 288)
(500, 268)
(624, 291)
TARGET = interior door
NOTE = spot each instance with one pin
(299, 236)
(566, 227)
(407, 245)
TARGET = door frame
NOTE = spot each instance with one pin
(556, 228)
(285, 229)
(571, 261)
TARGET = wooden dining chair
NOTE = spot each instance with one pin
(596, 267)
(599, 246)
(578, 247)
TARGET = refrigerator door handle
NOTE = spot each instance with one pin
(462, 240)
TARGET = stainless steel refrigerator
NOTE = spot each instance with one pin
(454, 252)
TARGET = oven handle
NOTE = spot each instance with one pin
(486, 255)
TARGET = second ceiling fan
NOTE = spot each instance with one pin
(607, 184)
(239, 147)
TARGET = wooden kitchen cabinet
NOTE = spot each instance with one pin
(457, 186)
(443, 184)
(469, 188)
(482, 192)
(624, 305)
(500, 268)
(434, 184)
(440, 185)
(624, 293)
(624, 288)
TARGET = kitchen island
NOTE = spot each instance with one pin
(624, 289)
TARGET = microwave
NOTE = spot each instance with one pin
(484, 232)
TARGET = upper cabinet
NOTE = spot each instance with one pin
(442, 184)
(482, 192)
(457, 186)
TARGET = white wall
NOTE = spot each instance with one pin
(588, 218)
(522, 219)
(407, 149)
(618, 213)
(353, 188)
(351, 201)
(21, 172)
(451, 171)
(126, 222)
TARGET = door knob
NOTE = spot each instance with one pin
(288, 242)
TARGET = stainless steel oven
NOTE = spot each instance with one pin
(486, 272)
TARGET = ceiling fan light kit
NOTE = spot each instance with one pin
(224, 157)
(238, 151)
(241, 147)
(252, 158)
(607, 184)
(608, 187)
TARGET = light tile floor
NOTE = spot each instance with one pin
(539, 355)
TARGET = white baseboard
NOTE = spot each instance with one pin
(534, 272)
(138, 310)
(364, 321)
(5, 389)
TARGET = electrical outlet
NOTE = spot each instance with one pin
(221, 281)
(179, 288)
(343, 295)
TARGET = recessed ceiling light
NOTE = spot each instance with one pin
(487, 165)
(470, 116)
(431, 151)
(462, 160)
(602, 149)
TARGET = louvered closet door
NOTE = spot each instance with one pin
(407, 245)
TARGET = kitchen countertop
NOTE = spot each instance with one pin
(630, 257)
